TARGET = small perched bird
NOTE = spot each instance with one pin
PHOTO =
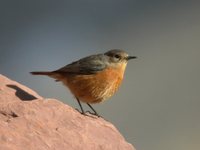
(93, 79)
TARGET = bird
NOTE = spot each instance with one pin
(92, 79)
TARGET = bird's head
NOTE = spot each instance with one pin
(118, 59)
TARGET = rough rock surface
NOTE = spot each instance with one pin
(30, 122)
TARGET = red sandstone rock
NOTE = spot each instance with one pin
(30, 122)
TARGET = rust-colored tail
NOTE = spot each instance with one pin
(41, 73)
(51, 74)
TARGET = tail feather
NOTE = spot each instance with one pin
(41, 73)
(51, 74)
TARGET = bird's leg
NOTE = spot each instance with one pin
(95, 113)
(82, 111)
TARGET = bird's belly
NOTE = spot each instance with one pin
(96, 87)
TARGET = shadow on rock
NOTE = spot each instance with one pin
(21, 94)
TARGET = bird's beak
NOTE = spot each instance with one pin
(131, 57)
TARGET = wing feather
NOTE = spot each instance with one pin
(88, 65)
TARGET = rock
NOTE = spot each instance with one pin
(31, 122)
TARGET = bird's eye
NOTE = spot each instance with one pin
(117, 56)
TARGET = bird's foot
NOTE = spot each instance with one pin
(88, 113)
(93, 113)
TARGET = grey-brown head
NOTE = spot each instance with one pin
(118, 56)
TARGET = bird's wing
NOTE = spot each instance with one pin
(85, 66)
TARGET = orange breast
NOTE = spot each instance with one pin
(97, 87)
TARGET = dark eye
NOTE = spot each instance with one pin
(117, 56)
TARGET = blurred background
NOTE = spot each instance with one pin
(158, 104)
